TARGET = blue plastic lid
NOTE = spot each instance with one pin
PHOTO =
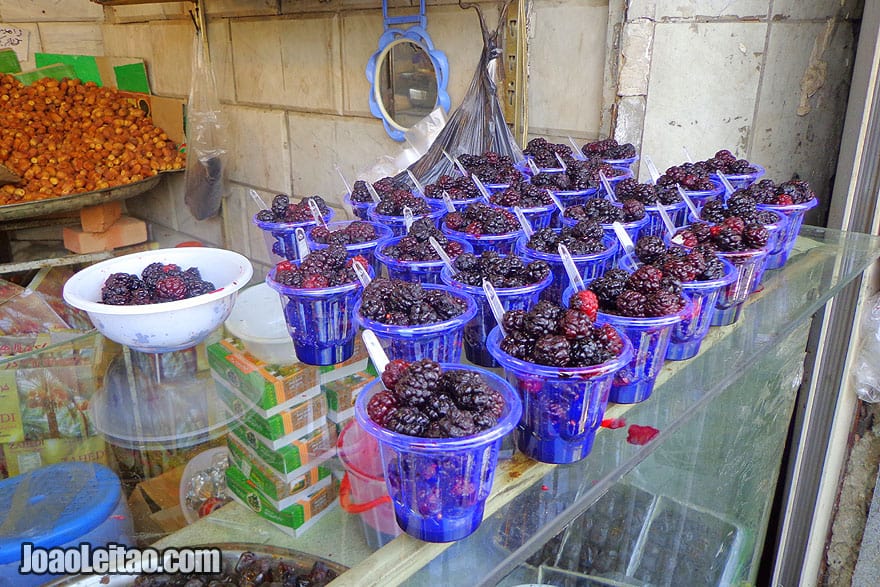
(54, 505)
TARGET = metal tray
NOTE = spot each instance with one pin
(231, 552)
(77, 201)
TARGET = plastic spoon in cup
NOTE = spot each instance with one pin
(652, 169)
(256, 198)
(494, 304)
(687, 154)
(373, 193)
(728, 187)
(348, 187)
(667, 221)
(376, 352)
(687, 200)
(302, 245)
(523, 221)
(442, 254)
(561, 162)
(450, 207)
(607, 185)
(418, 185)
(407, 217)
(626, 242)
(483, 191)
(574, 276)
(533, 166)
(361, 272)
(576, 151)
(316, 213)
(556, 201)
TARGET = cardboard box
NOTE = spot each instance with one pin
(295, 519)
(358, 362)
(247, 405)
(120, 73)
(155, 505)
(22, 457)
(341, 394)
(267, 386)
(291, 461)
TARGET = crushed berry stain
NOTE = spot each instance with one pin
(613, 423)
(641, 434)
(544, 488)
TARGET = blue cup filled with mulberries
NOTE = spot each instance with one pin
(360, 199)
(791, 198)
(495, 171)
(535, 203)
(413, 258)
(439, 427)
(646, 305)
(319, 295)
(485, 227)
(695, 179)
(702, 274)
(517, 283)
(462, 191)
(390, 210)
(631, 215)
(546, 155)
(739, 172)
(744, 245)
(562, 363)
(358, 237)
(579, 181)
(280, 221)
(415, 321)
(610, 151)
(653, 197)
(591, 248)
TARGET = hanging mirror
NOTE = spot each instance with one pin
(407, 75)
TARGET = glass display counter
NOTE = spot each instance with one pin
(689, 505)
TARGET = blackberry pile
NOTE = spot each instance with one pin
(157, 283)
(578, 176)
(415, 246)
(491, 167)
(605, 212)
(551, 335)
(407, 303)
(383, 187)
(609, 149)
(394, 203)
(795, 191)
(458, 187)
(328, 267)
(697, 264)
(282, 210)
(249, 569)
(353, 234)
(584, 238)
(740, 204)
(731, 235)
(524, 195)
(479, 218)
(693, 177)
(500, 271)
(543, 152)
(647, 292)
(423, 400)
(725, 162)
(646, 193)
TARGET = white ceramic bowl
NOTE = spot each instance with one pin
(257, 320)
(169, 326)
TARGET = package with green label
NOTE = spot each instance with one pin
(342, 393)
(359, 361)
(295, 519)
(284, 427)
(294, 459)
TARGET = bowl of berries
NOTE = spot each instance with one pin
(357, 236)
(653, 197)
(546, 155)
(695, 179)
(461, 190)
(631, 214)
(496, 171)
(391, 210)
(280, 221)
(739, 172)
(535, 203)
(562, 362)
(484, 227)
(413, 258)
(792, 198)
(319, 295)
(439, 428)
(611, 152)
(360, 199)
(160, 301)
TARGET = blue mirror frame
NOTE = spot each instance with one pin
(415, 34)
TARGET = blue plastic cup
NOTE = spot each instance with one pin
(575, 197)
(633, 230)
(561, 407)
(367, 249)
(589, 266)
(421, 271)
(678, 213)
(439, 341)
(359, 209)
(397, 223)
(501, 243)
(539, 217)
(477, 330)
(701, 197)
(750, 267)
(794, 215)
(439, 486)
(625, 163)
(741, 181)
(459, 205)
(320, 321)
(614, 180)
(650, 338)
(280, 237)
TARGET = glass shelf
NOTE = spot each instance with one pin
(722, 419)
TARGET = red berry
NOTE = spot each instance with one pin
(609, 335)
(284, 266)
(359, 259)
(784, 200)
(585, 302)
(379, 406)
(734, 222)
(315, 281)
(715, 230)
(393, 371)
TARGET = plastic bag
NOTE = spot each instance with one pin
(866, 367)
(478, 124)
(205, 138)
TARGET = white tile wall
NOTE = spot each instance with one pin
(258, 149)
(712, 8)
(635, 62)
(77, 38)
(48, 10)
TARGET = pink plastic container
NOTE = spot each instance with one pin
(363, 490)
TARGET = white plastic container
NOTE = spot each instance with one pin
(257, 319)
(59, 505)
